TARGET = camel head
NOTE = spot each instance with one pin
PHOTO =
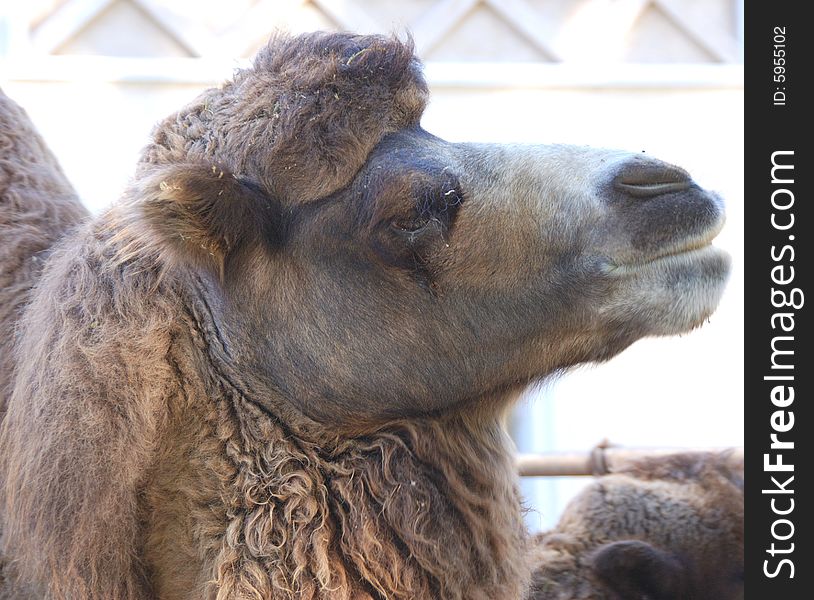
(359, 268)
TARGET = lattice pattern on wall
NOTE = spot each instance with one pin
(591, 31)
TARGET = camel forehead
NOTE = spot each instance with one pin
(304, 118)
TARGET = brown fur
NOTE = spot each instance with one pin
(315, 105)
(37, 206)
(279, 368)
(268, 511)
(263, 508)
(667, 528)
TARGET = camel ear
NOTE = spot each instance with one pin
(204, 213)
(635, 569)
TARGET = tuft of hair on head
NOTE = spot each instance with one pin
(202, 214)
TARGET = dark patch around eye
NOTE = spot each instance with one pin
(440, 200)
(408, 197)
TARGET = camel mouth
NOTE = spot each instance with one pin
(686, 256)
(675, 289)
(697, 247)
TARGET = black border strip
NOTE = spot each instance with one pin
(779, 261)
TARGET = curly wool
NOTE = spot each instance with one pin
(379, 516)
(424, 509)
(137, 462)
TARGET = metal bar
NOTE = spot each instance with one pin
(600, 460)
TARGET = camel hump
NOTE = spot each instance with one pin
(37, 206)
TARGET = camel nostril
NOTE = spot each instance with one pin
(645, 179)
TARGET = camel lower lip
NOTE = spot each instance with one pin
(685, 255)
(695, 247)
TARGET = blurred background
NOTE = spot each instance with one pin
(660, 76)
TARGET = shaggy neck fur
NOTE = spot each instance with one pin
(420, 509)
(166, 481)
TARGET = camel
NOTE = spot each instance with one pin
(279, 366)
(667, 527)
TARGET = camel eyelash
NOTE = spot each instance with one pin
(440, 204)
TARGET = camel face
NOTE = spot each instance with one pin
(632, 229)
(370, 270)
(479, 267)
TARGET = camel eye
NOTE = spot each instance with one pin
(451, 198)
(445, 203)
(435, 209)
(415, 225)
